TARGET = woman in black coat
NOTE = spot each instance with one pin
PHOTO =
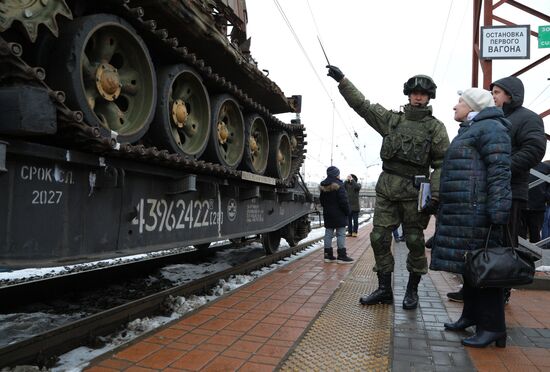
(475, 194)
(334, 200)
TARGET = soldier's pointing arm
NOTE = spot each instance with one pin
(374, 114)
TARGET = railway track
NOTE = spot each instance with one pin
(43, 349)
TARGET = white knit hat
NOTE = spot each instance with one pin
(477, 99)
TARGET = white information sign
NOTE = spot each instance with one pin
(505, 42)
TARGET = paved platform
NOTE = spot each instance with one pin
(306, 316)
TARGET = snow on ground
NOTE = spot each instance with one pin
(77, 359)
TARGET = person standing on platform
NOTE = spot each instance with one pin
(528, 146)
(353, 188)
(334, 201)
(413, 141)
(528, 149)
(475, 198)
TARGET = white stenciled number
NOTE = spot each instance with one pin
(162, 208)
(46, 197)
(189, 214)
(141, 220)
(153, 226)
(180, 204)
(198, 205)
(205, 215)
(170, 218)
(160, 214)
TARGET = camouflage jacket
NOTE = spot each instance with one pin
(413, 141)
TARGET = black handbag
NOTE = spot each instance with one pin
(501, 267)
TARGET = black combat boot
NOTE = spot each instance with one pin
(411, 295)
(329, 256)
(383, 295)
(343, 257)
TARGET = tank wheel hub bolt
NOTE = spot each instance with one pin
(108, 82)
(223, 133)
(253, 144)
(280, 157)
(179, 113)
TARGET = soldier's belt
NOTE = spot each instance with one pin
(412, 178)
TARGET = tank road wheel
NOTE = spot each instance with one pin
(256, 146)
(280, 156)
(182, 120)
(271, 241)
(106, 71)
(226, 144)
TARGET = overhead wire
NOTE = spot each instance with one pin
(297, 39)
(459, 31)
(318, 32)
(352, 136)
(304, 52)
(537, 97)
(442, 38)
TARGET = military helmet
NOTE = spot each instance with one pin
(422, 83)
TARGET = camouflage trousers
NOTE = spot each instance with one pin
(388, 214)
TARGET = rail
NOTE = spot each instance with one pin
(43, 348)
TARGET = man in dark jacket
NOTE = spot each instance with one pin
(528, 143)
(353, 188)
(334, 201)
(528, 146)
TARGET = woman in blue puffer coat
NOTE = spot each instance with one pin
(475, 194)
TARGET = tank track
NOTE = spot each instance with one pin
(75, 132)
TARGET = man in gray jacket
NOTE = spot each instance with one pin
(353, 188)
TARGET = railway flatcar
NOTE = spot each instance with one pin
(131, 126)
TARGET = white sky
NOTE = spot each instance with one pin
(378, 45)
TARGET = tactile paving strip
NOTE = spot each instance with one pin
(347, 336)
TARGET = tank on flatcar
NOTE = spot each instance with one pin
(122, 120)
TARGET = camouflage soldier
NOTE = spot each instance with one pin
(413, 141)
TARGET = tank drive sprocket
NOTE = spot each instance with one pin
(32, 13)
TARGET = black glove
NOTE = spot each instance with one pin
(335, 73)
(431, 207)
